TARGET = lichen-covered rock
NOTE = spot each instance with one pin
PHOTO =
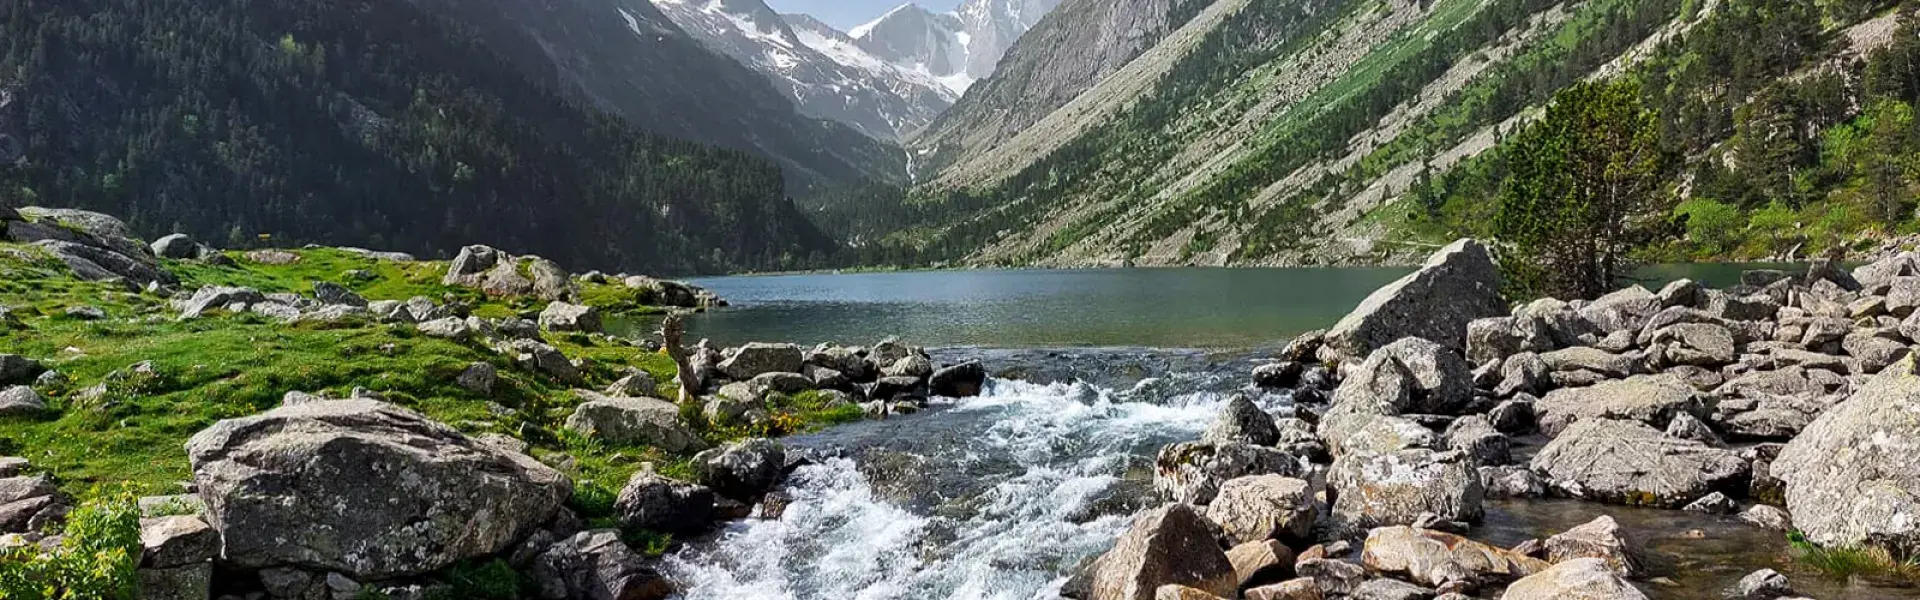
(1581, 579)
(1626, 462)
(1650, 399)
(743, 470)
(1850, 477)
(1437, 380)
(364, 488)
(1475, 436)
(1170, 545)
(562, 316)
(1192, 472)
(1398, 488)
(757, 358)
(175, 541)
(1263, 507)
(1455, 286)
(1626, 309)
(21, 400)
(596, 565)
(633, 421)
(1436, 559)
(652, 502)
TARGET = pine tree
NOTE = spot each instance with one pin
(1584, 191)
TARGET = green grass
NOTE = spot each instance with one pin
(231, 365)
(1847, 563)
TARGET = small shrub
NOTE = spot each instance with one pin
(1847, 563)
(95, 561)
(592, 500)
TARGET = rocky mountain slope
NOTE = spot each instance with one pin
(1062, 56)
(827, 74)
(1259, 132)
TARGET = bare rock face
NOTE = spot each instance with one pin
(1457, 285)
(1438, 559)
(1849, 477)
(1581, 579)
(1625, 462)
(366, 489)
(1170, 545)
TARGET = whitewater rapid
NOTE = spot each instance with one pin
(1034, 464)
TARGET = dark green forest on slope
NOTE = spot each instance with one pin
(359, 122)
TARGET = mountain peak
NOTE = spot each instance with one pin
(909, 8)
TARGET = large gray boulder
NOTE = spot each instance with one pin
(1457, 284)
(176, 246)
(1436, 380)
(561, 316)
(100, 263)
(633, 422)
(366, 489)
(1650, 399)
(1399, 488)
(20, 400)
(1627, 309)
(1264, 507)
(500, 274)
(18, 370)
(1581, 579)
(1628, 462)
(1170, 545)
(1192, 472)
(756, 358)
(1242, 422)
(652, 502)
(743, 470)
(1850, 476)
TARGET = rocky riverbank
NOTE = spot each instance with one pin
(1785, 402)
(396, 429)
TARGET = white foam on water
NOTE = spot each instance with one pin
(838, 540)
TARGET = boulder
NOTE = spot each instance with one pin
(1875, 353)
(1771, 518)
(781, 383)
(1581, 579)
(21, 401)
(1523, 373)
(1627, 462)
(1278, 375)
(1349, 434)
(1511, 482)
(633, 385)
(1903, 296)
(18, 370)
(1849, 476)
(1584, 358)
(537, 356)
(743, 470)
(1455, 286)
(633, 422)
(1242, 422)
(1475, 436)
(1335, 578)
(333, 293)
(1686, 427)
(175, 246)
(1437, 559)
(1181, 592)
(652, 502)
(478, 378)
(1260, 563)
(1192, 472)
(914, 365)
(1170, 545)
(596, 565)
(1496, 338)
(1436, 379)
(1295, 589)
(1627, 309)
(184, 582)
(449, 328)
(366, 489)
(176, 541)
(1683, 293)
(561, 316)
(1697, 344)
(1601, 538)
(1764, 584)
(963, 380)
(1650, 399)
(1265, 507)
(1398, 488)
(212, 297)
(757, 358)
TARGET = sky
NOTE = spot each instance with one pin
(844, 14)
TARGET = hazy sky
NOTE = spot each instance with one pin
(844, 14)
